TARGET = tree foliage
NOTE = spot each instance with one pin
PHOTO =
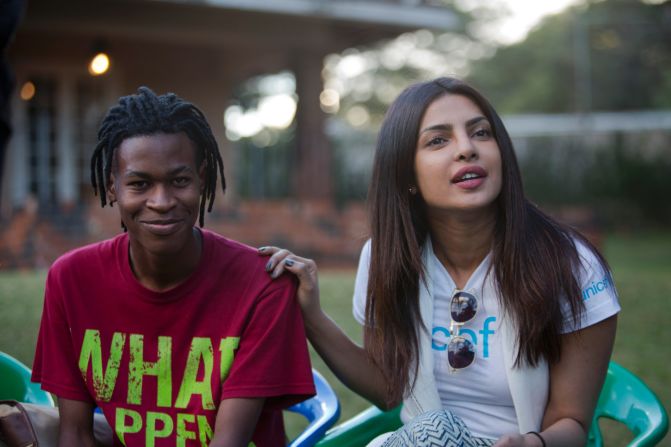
(607, 55)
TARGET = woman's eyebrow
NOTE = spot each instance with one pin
(475, 120)
(448, 127)
(445, 127)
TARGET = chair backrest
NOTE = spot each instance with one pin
(15, 383)
(322, 411)
(626, 399)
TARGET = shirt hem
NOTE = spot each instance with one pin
(273, 391)
(63, 392)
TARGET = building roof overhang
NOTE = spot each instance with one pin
(317, 25)
(404, 13)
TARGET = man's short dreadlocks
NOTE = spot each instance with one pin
(145, 113)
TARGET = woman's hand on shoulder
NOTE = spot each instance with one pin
(518, 440)
(305, 269)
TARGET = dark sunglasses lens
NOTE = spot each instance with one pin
(460, 353)
(463, 307)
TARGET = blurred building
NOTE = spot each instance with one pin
(201, 50)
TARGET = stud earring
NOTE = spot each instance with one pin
(412, 190)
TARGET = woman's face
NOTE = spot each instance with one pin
(457, 161)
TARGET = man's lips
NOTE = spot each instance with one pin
(161, 226)
(469, 177)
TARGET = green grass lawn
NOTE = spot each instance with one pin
(642, 271)
(641, 267)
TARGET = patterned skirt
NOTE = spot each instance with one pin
(438, 428)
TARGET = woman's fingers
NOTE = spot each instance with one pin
(281, 259)
(305, 269)
(267, 250)
(276, 256)
(274, 264)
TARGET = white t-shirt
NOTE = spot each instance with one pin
(479, 394)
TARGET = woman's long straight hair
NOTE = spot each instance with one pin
(534, 259)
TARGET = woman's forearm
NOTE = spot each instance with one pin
(348, 361)
(565, 432)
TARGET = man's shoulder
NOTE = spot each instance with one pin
(223, 248)
(241, 262)
(90, 254)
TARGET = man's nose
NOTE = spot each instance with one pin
(161, 198)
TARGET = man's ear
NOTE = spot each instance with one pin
(201, 174)
(111, 190)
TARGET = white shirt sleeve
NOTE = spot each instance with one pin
(361, 285)
(598, 293)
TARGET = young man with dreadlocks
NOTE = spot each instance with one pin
(175, 332)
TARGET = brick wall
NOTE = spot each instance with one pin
(34, 238)
(333, 236)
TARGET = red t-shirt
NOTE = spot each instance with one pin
(158, 364)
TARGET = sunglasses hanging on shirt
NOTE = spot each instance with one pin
(460, 351)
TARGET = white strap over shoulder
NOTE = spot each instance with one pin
(423, 396)
(529, 386)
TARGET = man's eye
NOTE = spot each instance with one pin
(139, 184)
(181, 181)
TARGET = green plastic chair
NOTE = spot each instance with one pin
(362, 428)
(15, 383)
(624, 398)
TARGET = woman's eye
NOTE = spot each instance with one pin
(436, 141)
(482, 133)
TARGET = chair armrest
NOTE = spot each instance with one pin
(362, 428)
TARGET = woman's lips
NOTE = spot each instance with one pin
(469, 177)
(471, 184)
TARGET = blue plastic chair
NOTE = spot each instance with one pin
(15, 383)
(322, 411)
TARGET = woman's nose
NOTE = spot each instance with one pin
(466, 150)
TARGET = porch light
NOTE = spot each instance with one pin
(99, 64)
(27, 91)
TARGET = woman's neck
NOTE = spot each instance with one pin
(461, 243)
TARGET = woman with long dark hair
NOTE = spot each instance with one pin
(491, 322)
